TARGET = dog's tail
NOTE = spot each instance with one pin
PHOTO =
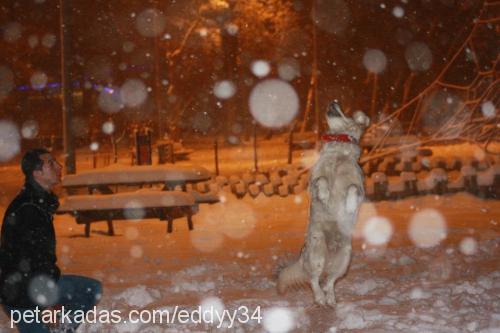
(291, 275)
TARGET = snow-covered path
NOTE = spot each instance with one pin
(238, 245)
(440, 278)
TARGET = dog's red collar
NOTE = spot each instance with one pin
(338, 138)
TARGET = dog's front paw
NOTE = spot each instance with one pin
(353, 199)
(320, 188)
(330, 299)
(319, 296)
(320, 299)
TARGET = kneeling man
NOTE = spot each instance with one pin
(30, 280)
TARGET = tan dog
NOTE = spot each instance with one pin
(336, 192)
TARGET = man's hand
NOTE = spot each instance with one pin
(56, 310)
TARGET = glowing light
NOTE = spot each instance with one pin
(278, 320)
(150, 23)
(398, 12)
(203, 32)
(288, 69)
(237, 220)
(232, 29)
(468, 246)
(206, 240)
(43, 290)
(427, 228)
(134, 210)
(29, 130)
(133, 92)
(260, 68)
(136, 251)
(418, 56)
(377, 230)
(10, 140)
(375, 61)
(224, 89)
(12, 32)
(273, 103)
(94, 146)
(108, 127)
(212, 305)
(488, 109)
(49, 40)
(38, 80)
(110, 100)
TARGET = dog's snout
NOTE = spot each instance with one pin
(334, 110)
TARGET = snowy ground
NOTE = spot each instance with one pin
(231, 258)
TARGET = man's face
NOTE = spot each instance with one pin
(50, 174)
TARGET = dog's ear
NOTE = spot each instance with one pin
(320, 189)
(361, 119)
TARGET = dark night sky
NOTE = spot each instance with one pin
(107, 49)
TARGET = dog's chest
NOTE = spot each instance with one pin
(332, 165)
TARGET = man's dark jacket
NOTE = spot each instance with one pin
(27, 244)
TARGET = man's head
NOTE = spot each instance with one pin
(39, 165)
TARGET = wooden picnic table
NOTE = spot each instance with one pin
(104, 204)
(168, 175)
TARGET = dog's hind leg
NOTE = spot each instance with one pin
(315, 264)
(336, 268)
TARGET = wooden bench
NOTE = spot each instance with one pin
(147, 203)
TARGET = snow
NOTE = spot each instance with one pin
(29, 129)
(447, 281)
(274, 103)
(10, 140)
(396, 185)
(135, 297)
(150, 23)
(38, 80)
(375, 61)
(133, 92)
(260, 68)
(141, 199)
(378, 230)
(434, 177)
(418, 56)
(278, 320)
(224, 89)
(427, 228)
(108, 127)
(486, 178)
(120, 174)
(109, 100)
(398, 11)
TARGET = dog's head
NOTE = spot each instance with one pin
(338, 123)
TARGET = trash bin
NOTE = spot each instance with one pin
(166, 152)
(143, 147)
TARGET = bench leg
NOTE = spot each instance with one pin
(111, 230)
(87, 229)
(170, 224)
(190, 221)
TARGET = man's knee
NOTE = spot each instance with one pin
(83, 285)
(95, 288)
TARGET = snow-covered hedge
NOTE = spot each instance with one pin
(433, 177)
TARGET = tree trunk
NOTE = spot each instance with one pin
(66, 87)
